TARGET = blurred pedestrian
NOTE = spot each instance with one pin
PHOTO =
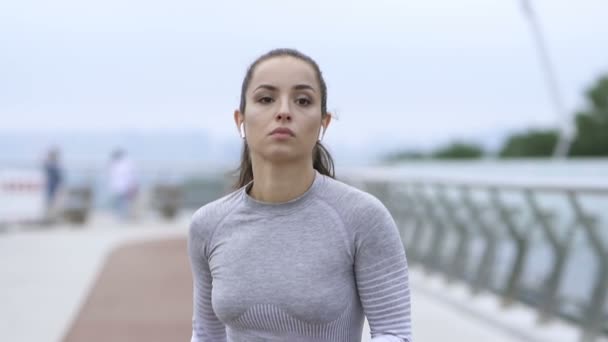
(123, 185)
(54, 178)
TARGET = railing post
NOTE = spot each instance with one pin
(458, 266)
(424, 229)
(433, 255)
(595, 318)
(522, 246)
(484, 275)
(406, 216)
(419, 225)
(420, 231)
(560, 249)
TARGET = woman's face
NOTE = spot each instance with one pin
(283, 94)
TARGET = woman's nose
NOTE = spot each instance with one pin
(283, 116)
(284, 113)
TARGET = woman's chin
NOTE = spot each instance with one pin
(282, 154)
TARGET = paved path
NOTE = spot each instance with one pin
(113, 282)
(143, 293)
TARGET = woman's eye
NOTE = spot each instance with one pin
(265, 99)
(303, 101)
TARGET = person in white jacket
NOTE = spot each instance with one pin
(123, 184)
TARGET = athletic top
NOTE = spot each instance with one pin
(308, 269)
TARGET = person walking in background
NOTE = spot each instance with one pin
(123, 184)
(53, 174)
(294, 254)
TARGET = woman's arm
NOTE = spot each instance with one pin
(206, 327)
(382, 279)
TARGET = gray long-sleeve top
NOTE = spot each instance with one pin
(304, 270)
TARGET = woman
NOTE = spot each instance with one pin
(293, 254)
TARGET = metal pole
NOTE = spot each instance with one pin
(566, 129)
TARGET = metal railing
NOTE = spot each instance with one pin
(537, 242)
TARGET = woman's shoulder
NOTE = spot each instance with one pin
(361, 212)
(351, 200)
(206, 218)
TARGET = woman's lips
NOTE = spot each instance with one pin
(282, 132)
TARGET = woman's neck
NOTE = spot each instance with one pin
(278, 183)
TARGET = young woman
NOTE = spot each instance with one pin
(293, 254)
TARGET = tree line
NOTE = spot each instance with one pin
(590, 140)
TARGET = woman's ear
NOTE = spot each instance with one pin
(325, 121)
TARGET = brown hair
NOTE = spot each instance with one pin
(322, 160)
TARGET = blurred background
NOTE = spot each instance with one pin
(482, 125)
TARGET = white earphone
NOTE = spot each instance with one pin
(242, 130)
(321, 133)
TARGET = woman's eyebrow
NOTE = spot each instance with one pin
(266, 86)
(303, 86)
(296, 87)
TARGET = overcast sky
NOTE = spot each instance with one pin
(407, 71)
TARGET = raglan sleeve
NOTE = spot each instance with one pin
(206, 327)
(381, 272)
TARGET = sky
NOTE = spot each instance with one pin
(399, 73)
